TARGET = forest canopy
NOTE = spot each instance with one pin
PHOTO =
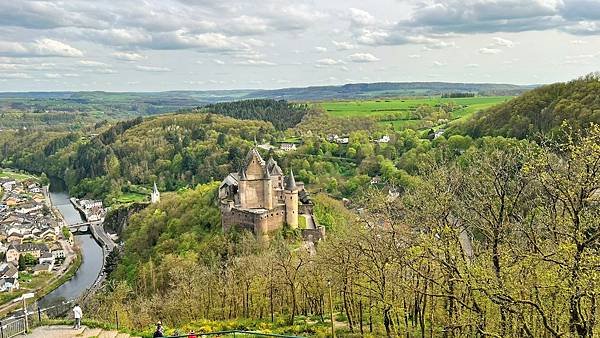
(539, 111)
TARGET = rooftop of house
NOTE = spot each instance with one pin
(28, 247)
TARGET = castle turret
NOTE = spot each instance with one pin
(242, 187)
(267, 190)
(291, 201)
(155, 195)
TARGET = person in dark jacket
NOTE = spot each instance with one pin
(159, 330)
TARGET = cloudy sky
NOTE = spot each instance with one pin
(153, 45)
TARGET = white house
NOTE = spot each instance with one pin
(287, 146)
(42, 268)
(58, 253)
(9, 284)
(384, 139)
(47, 258)
(9, 186)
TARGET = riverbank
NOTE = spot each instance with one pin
(83, 261)
(53, 284)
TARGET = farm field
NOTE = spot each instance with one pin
(404, 106)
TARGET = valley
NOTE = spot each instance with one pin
(396, 202)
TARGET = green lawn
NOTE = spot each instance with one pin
(5, 173)
(385, 106)
(301, 222)
(130, 197)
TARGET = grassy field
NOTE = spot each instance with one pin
(130, 197)
(5, 173)
(403, 108)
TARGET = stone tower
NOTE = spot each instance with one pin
(291, 201)
(155, 195)
(268, 190)
(242, 187)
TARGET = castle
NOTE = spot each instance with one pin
(259, 197)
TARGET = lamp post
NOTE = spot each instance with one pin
(331, 308)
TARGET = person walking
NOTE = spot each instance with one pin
(77, 314)
(192, 334)
(159, 330)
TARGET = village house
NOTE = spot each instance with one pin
(41, 268)
(46, 258)
(23, 221)
(15, 237)
(383, 139)
(8, 270)
(16, 250)
(57, 251)
(287, 146)
(9, 284)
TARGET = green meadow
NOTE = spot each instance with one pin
(403, 107)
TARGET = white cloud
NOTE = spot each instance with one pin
(342, 45)
(41, 47)
(219, 62)
(91, 63)
(439, 63)
(414, 56)
(15, 76)
(363, 57)
(253, 62)
(582, 59)
(128, 56)
(578, 42)
(361, 18)
(329, 62)
(321, 49)
(486, 50)
(500, 42)
(472, 65)
(152, 69)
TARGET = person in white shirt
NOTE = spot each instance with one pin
(77, 313)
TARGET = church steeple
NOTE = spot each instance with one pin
(155, 195)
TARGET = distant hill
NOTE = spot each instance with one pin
(147, 103)
(541, 110)
(389, 89)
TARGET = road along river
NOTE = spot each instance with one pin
(92, 263)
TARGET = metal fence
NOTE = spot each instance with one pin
(12, 328)
(19, 321)
(232, 333)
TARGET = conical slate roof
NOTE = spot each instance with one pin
(242, 174)
(290, 184)
(274, 168)
(155, 189)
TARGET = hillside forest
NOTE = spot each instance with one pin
(488, 229)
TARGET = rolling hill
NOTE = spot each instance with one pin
(541, 110)
(146, 103)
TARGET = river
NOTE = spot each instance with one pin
(91, 265)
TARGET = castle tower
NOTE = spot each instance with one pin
(291, 201)
(267, 190)
(242, 187)
(155, 195)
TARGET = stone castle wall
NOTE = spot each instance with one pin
(258, 223)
